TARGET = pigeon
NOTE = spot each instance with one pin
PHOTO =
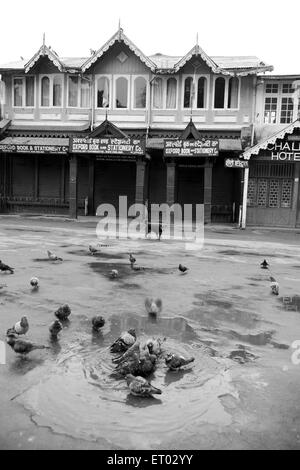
(22, 326)
(138, 363)
(133, 351)
(140, 387)
(22, 346)
(274, 286)
(154, 346)
(98, 322)
(55, 328)
(34, 282)
(174, 361)
(132, 259)
(93, 250)
(182, 269)
(114, 273)
(264, 264)
(4, 268)
(53, 257)
(147, 363)
(129, 364)
(124, 342)
(153, 307)
(63, 313)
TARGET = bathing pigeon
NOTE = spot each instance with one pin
(124, 342)
(5, 268)
(264, 264)
(34, 282)
(55, 328)
(132, 352)
(98, 322)
(153, 307)
(132, 259)
(147, 363)
(140, 387)
(63, 313)
(130, 365)
(274, 286)
(174, 361)
(154, 346)
(114, 273)
(93, 250)
(22, 346)
(22, 326)
(53, 257)
(182, 269)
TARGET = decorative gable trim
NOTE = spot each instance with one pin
(44, 51)
(197, 51)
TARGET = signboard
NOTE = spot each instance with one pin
(285, 151)
(236, 163)
(191, 148)
(108, 146)
(26, 148)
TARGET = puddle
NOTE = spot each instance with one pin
(125, 270)
(98, 255)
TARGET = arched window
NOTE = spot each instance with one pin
(201, 95)
(103, 92)
(187, 100)
(157, 93)
(233, 92)
(219, 92)
(121, 93)
(57, 91)
(45, 92)
(171, 93)
(73, 91)
(84, 94)
(140, 93)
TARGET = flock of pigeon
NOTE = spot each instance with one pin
(133, 359)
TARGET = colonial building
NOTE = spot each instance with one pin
(78, 132)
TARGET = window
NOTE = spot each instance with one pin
(78, 92)
(140, 92)
(287, 107)
(23, 91)
(187, 99)
(121, 93)
(219, 93)
(279, 103)
(271, 185)
(233, 93)
(171, 93)
(201, 93)
(45, 91)
(51, 90)
(103, 93)
(270, 110)
(158, 93)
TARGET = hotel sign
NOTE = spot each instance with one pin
(26, 148)
(285, 151)
(191, 148)
(107, 146)
(236, 163)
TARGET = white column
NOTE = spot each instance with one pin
(245, 195)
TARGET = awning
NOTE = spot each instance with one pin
(224, 144)
(36, 145)
(4, 124)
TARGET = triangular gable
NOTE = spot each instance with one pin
(270, 140)
(107, 128)
(118, 37)
(197, 51)
(191, 131)
(44, 51)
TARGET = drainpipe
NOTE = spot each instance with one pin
(149, 108)
(246, 170)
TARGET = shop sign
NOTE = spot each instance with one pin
(191, 148)
(107, 146)
(236, 163)
(25, 148)
(285, 151)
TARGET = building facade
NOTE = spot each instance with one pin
(79, 132)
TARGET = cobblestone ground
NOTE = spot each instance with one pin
(242, 390)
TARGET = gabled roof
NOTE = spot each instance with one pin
(263, 145)
(44, 51)
(119, 36)
(191, 130)
(197, 51)
(108, 128)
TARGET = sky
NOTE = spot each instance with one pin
(268, 29)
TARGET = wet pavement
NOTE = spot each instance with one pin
(241, 392)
